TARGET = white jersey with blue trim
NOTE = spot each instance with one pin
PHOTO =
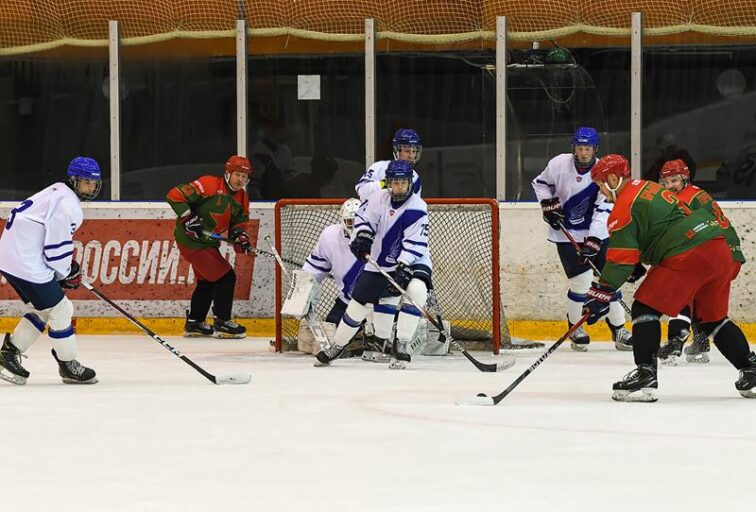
(371, 180)
(37, 242)
(585, 207)
(332, 255)
(401, 231)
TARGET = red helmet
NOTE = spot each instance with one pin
(610, 164)
(675, 168)
(238, 164)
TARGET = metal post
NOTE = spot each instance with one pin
(636, 95)
(369, 91)
(501, 107)
(241, 87)
(114, 89)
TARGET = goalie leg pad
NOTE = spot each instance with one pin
(28, 330)
(306, 341)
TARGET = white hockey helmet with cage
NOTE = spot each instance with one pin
(346, 214)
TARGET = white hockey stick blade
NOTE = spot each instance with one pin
(239, 378)
(476, 400)
(505, 363)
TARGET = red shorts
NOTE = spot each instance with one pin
(208, 264)
(700, 276)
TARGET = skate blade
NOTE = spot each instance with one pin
(225, 336)
(197, 335)
(318, 364)
(395, 364)
(374, 357)
(623, 347)
(66, 380)
(670, 361)
(644, 395)
(7, 376)
(699, 358)
(579, 347)
(748, 393)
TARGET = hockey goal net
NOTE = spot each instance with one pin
(464, 245)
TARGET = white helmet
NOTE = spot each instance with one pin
(346, 214)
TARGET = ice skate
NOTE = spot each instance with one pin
(637, 386)
(623, 340)
(579, 339)
(698, 350)
(746, 383)
(11, 369)
(324, 357)
(73, 372)
(399, 356)
(671, 351)
(228, 329)
(196, 328)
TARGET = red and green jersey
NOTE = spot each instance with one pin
(697, 198)
(649, 224)
(220, 208)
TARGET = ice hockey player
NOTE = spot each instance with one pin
(569, 198)
(36, 258)
(391, 227)
(675, 177)
(407, 147)
(691, 263)
(213, 204)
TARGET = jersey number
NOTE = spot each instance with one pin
(672, 199)
(23, 206)
(720, 217)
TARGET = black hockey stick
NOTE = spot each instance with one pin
(483, 399)
(484, 367)
(260, 252)
(593, 266)
(224, 379)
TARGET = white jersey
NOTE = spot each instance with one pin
(371, 180)
(401, 233)
(37, 243)
(585, 207)
(332, 255)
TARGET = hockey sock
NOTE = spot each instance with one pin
(616, 314)
(201, 299)
(409, 316)
(730, 341)
(384, 314)
(223, 295)
(646, 333)
(576, 295)
(28, 330)
(679, 324)
(350, 323)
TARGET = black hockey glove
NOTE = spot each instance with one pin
(552, 212)
(362, 244)
(403, 275)
(242, 244)
(193, 227)
(73, 279)
(638, 272)
(597, 305)
(591, 248)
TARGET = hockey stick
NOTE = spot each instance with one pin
(484, 367)
(259, 252)
(483, 399)
(593, 266)
(240, 378)
(315, 328)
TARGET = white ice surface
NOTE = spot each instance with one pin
(154, 435)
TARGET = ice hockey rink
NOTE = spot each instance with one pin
(154, 435)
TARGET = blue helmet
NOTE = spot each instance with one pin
(408, 138)
(84, 168)
(585, 136)
(399, 170)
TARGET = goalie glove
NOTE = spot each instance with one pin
(597, 305)
(590, 249)
(638, 272)
(362, 244)
(242, 244)
(552, 212)
(73, 279)
(193, 227)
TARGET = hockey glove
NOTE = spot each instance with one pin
(362, 244)
(552, 212)
(403, 275)
(73, 279)
(242, 244)
(591, 248)
(193, 227)
(638, 272)
(597, 305)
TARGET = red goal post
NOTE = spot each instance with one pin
(464, 245)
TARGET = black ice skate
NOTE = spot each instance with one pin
(324, 357)
(11, 369)
(73, 372)
(637, 386)
(698, 350)
(399, 356)
(228, 329)
(196, 328)
(746, 383)
(623, 340)
(671, 351)
(579, 339)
